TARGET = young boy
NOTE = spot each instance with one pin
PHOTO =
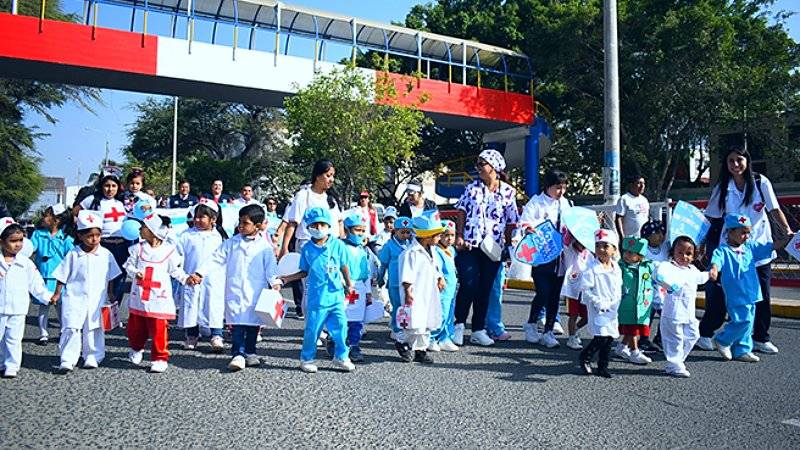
(250, 267)
(658, 252)
(446, 253)
(324, 261)
(359, 266)
(637, 299)
(422, 281)
(389, 257)
(735, 262)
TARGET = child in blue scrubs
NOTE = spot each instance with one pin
(389, 255)
(324, 262)
(442, 339)
(359, 268)
(735, 262)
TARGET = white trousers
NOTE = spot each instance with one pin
(75, 343)
(415, 339)
(12, 328)
(677, 340)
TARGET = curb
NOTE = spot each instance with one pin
(787, 309)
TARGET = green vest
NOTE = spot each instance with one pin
(637, 293)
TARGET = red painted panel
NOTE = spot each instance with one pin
(460, 100)
(72, 44)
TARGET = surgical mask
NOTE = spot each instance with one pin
(355, 239)
(316, 233)
(403, 242)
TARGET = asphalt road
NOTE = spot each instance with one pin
(511, 395)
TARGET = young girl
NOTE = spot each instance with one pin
(422, 281)
(359, 268)
(18, 280)
(601, 284)
(442, 338)
(389, 217)
(203, 305)
(735, 261)
(324, 261)
(658, 251)
(576, 259)
(152, 262)
(134, 184)
(637, 299)
(50, 245)
(87, 271)
(389, 255)
(678, 324)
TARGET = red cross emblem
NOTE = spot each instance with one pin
(351, 297)
(90, 218)
(147, 284)
(527, 252)
(279, 311)
(797, 245)
(601, 234)
(114, 214)
(742, 219)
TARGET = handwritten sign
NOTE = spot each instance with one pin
(688, 221)
(793, 248)
(582, 223)
(543, 245)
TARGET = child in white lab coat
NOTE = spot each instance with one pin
(658, 251)
(18, 280)
(575, 259)
(87, 271)
(602, 292)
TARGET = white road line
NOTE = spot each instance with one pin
(795, 422)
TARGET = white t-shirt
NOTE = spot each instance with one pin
(756, 211)
(635, 212)
(303, 200)
(113, 212)
(415, 211)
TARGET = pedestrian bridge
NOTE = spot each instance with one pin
(239, 51)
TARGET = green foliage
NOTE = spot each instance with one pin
(335, 118)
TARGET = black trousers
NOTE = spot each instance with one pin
(714, 315)
(548, 292)
(476, 275)
(600, 345)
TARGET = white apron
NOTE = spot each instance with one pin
(151, 296)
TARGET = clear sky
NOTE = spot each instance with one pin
(76, 143)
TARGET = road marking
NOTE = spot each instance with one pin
(795, 422)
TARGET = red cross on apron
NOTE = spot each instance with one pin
(147, 284)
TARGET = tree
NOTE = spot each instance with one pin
(684, 67)
(22, 181)
(335, 118)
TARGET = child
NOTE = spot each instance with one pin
(442, 338)
(389, 218)
(324, 261)
(679, 326)
(359, 267)
(576, 258)
(637, 299)
(18, 279)
(601, 284)
(50, 245)
(422, 281)
(735, 262)
(134, 184)
(658, 251)
(152, 262)
(250, 267)
(389, 256)
(87, 271)
(203, 305)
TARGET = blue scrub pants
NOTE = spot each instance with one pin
(737, 333)
(494, 315)
(394, 299)
(354, 333)
(447, 329)
(335, 320)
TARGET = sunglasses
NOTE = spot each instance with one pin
(480, 163)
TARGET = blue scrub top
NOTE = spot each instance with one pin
(737, 271)
(50, 250)
(448, 265)
(324, 267)
(390, 254)
(358, 262)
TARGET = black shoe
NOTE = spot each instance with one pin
(405, 352)
(586, 367)
(356, 355)
(329, 347)
(602, 372)
(299, 311)
(423, 357)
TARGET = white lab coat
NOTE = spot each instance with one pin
(85, 276)
(18, 280)
(679, 305)
(602, 292)
(659, 255)
(250, 267)
(422, 271)
(574, 265)
(153, 297)
(203, 304)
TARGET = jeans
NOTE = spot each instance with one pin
(548, 292)
(194, 332)
(244, 340)
(354, 333)
(476, 275)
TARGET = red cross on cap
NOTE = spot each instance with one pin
(90, 218)
(363, 219)
(600, 234)
(7, 221)
(742, 219)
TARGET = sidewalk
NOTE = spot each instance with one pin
(785, 302)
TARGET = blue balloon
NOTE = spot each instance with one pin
(130, 229)
(142, 209)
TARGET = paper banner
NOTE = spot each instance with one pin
(582, 223)
(689, 221)
(541, 246)
(793, 248)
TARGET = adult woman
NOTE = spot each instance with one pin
(367, 211)
(548, 278)
(740, 191)
(415, 203)
(487, 211)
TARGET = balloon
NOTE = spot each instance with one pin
(130, 229)
(142, 209)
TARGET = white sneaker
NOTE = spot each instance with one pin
(549, 341)
(557, 328)
(765, 347)
(622, 351)
(706, 344)
(135, 357)
(259, 338)
(344, 364)
(434, 347)
(481, 338)
(723, 350)
(458, 334)
(217, 344)
(680, 373)
(308, 367)
(531, 334)
(10, 373)
(448, 346)
(90, 363)
(637, 357)
(237, 363)
(748, 357)
(158, 367)
(574, 342)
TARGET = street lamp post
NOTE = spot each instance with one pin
(174, 145)
(611, 141)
